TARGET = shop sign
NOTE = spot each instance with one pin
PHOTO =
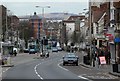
(102, 60)
(117, 40)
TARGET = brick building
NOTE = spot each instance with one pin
(36, 25)
(2, 22)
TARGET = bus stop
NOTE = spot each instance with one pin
(6, 49)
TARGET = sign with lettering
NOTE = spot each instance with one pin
(117, 40)
(102, 60)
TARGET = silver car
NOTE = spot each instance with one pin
(70, 58)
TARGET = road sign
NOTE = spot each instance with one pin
(117, 40)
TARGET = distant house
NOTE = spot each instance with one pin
(100, 23)
(72, 24)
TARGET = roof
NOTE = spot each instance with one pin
(72, 19)
(76, 17)
(97, 15)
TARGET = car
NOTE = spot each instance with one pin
(70, 58)
(32, 51)
(59, 48)
(54, 49)
(26, 51)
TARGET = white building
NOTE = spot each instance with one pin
(73, 24)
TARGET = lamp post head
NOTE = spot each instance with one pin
(42, 6)
(48, 6)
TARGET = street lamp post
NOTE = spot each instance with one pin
(43, 7)
(90, 19)
(51, 28)
(7, 11)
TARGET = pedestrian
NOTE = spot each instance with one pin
(100, 53)
(15, 52)
(108, 57)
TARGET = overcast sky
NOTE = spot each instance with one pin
(19, 8)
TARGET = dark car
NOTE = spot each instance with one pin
(26, 51)
(70, 58)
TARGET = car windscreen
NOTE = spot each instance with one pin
(32, 46)
(70, 56)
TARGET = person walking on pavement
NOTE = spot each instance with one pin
(94, 55)
(100, 53)
(108, 56)
(15, 52)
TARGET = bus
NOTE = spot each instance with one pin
(33, 47)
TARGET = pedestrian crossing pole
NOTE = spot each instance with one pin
(90, 19)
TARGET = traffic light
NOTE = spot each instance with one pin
(37, 41)
(44, 41)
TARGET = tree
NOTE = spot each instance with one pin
(25, 30)
(75, 37)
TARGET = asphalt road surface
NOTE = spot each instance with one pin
(48, 68)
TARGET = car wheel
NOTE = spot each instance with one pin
(77, 64)
(63, 64)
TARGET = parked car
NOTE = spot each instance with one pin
(70, 58)
(26, 51)
(54, 49)
(59, 48)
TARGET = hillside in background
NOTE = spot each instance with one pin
(56, 16)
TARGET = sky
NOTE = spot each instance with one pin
(27, 7)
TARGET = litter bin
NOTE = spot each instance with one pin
(115, 67)
(86, 60)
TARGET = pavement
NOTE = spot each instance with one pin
(105, 68)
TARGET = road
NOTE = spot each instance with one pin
(48, 68)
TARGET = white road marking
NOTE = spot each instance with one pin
(6, 69)
(62, 67)
(3, 71)
(84, 78)
(35, 68)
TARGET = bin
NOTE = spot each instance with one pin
(86, 60)
(116, 68)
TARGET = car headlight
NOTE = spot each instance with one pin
(41, 53)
